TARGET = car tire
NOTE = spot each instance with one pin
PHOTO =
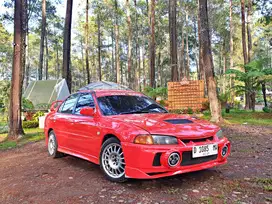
(52, 146)
(112, 162)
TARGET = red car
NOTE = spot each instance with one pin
(131, 136)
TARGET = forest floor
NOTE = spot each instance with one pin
(28, 175)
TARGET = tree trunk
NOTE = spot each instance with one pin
(264, 94)
(117, 58)
(182, 67)
(27, 66)
(58, 64)
(82, 58)
(137, 64)
(231, 49)
(40, 71)
(159, 69)
(195, 48)
(66, 70)
(99, 48)
(46, 55)
(187, 51)
(87, 42)
(129, 44)
(144, 74)
(200, 56)
(231, 34)
(244, 48)
(15, 128)
(249, 15)
(249, 47)
(152, 44)
(112, 56)
(208, 62)
(24, 27)
(173, 39)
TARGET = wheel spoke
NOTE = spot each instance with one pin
(113, 160)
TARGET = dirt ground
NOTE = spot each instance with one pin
(28, 175)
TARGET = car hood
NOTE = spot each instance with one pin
(181, 126)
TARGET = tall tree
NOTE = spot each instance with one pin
(249, 41)
(40, 71)
(244, 32)
(200, 56)
(87, 42)
(99, 74)
(137, 51)
(66, 69)
(117, 57)
(231, 34)
(15, 128)
(152, 44)
(173, 39)
(244, 47)
(187, 49)
(181, 66)
(129, 43)
(46, 55)
(208, 62)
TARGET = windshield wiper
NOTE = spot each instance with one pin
(133, 112)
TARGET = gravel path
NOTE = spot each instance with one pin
(28, 175)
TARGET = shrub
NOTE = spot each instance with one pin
(190, 111)
(3, 129)
(30, 124)
(37, 115)
(27, 104)
(267, 110)
(162, 102)
(206, 105)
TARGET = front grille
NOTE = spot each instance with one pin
(157, 159)
(187, 159)
(197, 140)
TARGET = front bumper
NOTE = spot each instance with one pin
(140, 159)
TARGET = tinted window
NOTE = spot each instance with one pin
(68, 105)
(85, 100)
(116, 105)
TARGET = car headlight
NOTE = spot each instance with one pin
(155, 139)
(219, 134)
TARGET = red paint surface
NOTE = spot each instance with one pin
(82, 136)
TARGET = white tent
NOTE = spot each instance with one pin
(46, 91)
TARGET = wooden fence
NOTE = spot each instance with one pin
(186, 94)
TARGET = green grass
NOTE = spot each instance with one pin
(266, 183)
(31, 135)
(244, 117)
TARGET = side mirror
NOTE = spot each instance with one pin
(87, 111)
(54, 105)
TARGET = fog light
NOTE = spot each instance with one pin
(173, 159)
(224, 151)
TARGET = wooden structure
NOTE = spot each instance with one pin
(186, 94)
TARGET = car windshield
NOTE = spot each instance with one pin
(124, 104)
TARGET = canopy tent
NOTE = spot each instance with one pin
(46, 91)
(104, 85)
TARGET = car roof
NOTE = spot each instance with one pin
(112, 92)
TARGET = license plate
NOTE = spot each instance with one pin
(205, 150)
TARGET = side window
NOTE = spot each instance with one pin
(85, 100)
(68, 105)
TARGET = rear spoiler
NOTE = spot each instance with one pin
(55, 105)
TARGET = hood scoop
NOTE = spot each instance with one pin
(178, 121)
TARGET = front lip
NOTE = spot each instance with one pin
(142, 167)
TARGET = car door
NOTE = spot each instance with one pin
(85, 132)
(64, 124)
